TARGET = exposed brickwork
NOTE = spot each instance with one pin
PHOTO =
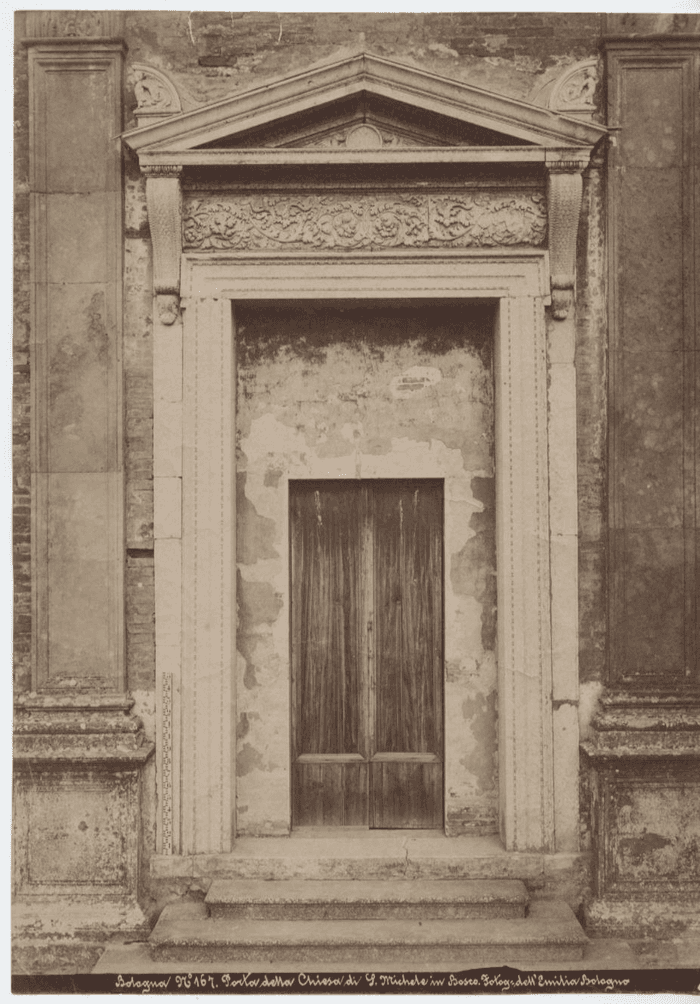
(21, 529)
(211, 52)
(138, 440)
(140, 618)
(591, 399)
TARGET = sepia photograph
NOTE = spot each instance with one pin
(356, 483)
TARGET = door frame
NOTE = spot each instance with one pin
(536, 527)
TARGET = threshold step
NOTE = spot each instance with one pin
(357, 900)
(186, 934)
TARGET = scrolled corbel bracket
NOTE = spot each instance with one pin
(564, 192)
(164, 201)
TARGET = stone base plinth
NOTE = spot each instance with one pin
(77, 826)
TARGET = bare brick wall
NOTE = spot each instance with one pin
(220, 39)
(140, 619)
(21, 478)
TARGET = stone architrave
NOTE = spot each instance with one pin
(518, 281)
(208, 583)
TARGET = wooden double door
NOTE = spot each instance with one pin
(367, 653)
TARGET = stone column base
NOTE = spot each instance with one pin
(77, 824)
(644, 760)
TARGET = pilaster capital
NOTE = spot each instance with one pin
(161, 170)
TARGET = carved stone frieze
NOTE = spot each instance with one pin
(327, 221)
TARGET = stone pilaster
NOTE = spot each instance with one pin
(78, 750)
(643, 749)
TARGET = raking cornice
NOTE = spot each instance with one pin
(521, 122)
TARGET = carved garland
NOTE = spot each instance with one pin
(346, 222)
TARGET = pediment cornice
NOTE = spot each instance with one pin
(215, 133)
(342, 113)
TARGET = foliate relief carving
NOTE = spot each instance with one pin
(155, 94)
(575, 90)
(482, 219)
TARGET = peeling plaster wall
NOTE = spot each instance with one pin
(341, 391)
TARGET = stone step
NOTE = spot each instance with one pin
(402, 900)
(185, 933)
(383, 855)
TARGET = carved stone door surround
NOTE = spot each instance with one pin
(194, 429)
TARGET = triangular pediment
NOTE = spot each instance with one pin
(364, 102)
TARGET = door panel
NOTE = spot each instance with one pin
(330, 794)
(406, 795)
(367, 653)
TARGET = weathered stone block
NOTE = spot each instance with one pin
(81, 421)
(84, 546)
(74, 831)
(78, 228)
(650, 617)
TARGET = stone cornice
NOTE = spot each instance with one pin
(87, 729)
(632, 726)
(523, 122)
(537, 135)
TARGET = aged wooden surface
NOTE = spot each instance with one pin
(367, 652)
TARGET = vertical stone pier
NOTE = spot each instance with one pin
(78, 749)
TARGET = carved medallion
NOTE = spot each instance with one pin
(155, 94)
(574, 92)
(338, 221)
